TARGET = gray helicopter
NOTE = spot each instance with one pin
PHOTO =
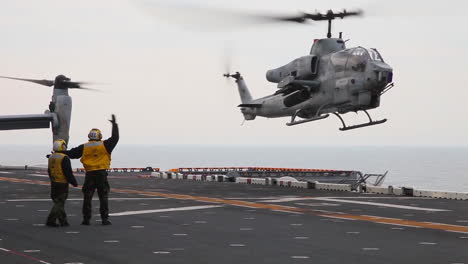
(58, 114)
(331, 79)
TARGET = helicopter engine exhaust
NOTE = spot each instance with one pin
(305, 67)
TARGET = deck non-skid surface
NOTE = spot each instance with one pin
(175, 221)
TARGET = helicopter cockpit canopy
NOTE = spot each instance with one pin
(354, 59)
(375, 55)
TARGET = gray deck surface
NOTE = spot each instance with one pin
(245, 224)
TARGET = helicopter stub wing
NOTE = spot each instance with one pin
(12, 122)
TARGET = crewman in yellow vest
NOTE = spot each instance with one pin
(60, 174)
(96, 158)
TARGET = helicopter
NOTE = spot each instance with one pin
(332, 79)
(58, 115)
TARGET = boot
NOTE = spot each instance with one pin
(85, 222)
(52, 224)
(106, 222)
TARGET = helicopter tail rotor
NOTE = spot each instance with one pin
(227, 61)
(237, 76)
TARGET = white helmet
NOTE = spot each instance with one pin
(95, 134)
(60, 145)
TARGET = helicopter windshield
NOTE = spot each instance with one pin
(339, 59)
(357, 59)
(374, 55)
(354, 59)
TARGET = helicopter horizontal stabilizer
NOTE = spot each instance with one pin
(307, 120)
(250, 105)
(25, 121)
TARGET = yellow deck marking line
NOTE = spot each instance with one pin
(367, 218)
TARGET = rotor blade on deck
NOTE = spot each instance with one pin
(41, 82)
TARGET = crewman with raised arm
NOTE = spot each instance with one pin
(96, 158)
(60, 174)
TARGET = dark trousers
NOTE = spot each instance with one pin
(96, 180)
(59, 194)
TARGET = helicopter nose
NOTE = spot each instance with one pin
(385, 76)
(382, 73)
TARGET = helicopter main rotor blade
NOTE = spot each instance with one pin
(86, 88)
(222, 18)
(78, 85)
(74, 85)
(206, 18)
(65, 84)
(41, 82)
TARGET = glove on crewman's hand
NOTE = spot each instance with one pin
(113, 120)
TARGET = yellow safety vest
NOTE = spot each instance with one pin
(95, 156)
(55, 168)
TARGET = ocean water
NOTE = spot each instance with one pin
(440, 168)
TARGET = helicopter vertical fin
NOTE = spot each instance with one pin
(244, 92)
(248, 109)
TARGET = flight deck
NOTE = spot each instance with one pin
(185, 221)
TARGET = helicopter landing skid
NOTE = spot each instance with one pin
(292, 123)
(370, 123)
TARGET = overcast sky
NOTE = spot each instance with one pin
(161, 74)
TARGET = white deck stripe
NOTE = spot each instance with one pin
(81, 199)
(292, 199)
(289, 212)
(382, 204)
(38, 175)
(377, 197)
(337, 217)
(188, 208)
(282, 200)
(260, 198)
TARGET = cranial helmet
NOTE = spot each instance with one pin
(95, 134)
(60, 145)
